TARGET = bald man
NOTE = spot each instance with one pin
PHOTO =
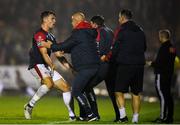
(82, 46)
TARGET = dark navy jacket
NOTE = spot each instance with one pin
(130, 45)
(82, 46)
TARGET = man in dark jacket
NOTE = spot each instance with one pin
(82, 46)
(128, 51)
(104, 40)
(164, 68)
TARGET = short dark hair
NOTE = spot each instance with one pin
(46, 13)
(98, 19)
(165, 33)
(127, 13)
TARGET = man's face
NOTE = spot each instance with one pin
(50, 21)
(94, 25)
(120, 19)
(160, 37)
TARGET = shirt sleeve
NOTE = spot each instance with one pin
(39, 37)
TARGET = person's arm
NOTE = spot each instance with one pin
(63, 60)
(39, 38)
(46, 57)
(65, 46)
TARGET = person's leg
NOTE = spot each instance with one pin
(99, 77)
(121, 104)
(136, 107)
(43, 89)
(168, 98)
(62, 85)
(123, 78)
(159, 91)
(92, 101)
(162, 96)
(82, 113)
(110, 85)
(47, 84)
(136, 86)
(67, 97)
(78, 85)
(170, 109)
(113, 100)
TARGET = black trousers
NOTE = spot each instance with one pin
(105, 72)
(79, 84)
(110, 85)
(163, 88)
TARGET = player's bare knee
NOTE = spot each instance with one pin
(48, 81)
(61, 84)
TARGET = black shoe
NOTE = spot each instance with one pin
(81, 118)
(123, 120)
(92, 117)
(72, 118)
(158, 120)
(98, 118)
(168, 120)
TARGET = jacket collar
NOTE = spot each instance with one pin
(83, 25)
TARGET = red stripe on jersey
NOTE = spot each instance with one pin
(116, 32)
(38, 71)
(39, 37)
(98, 35)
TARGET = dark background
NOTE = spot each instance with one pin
(20, 18)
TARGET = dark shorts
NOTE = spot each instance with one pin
(129, 77)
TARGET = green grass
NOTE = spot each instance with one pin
(51, 110)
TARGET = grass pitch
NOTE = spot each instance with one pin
(51, 110)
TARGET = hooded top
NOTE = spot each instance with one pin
(82, 46)
(130, 45)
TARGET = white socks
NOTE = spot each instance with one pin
(135, 118)
(122, 112)
(43, 89)
(67, 100)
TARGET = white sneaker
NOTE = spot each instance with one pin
(27, 111)
(134, 120)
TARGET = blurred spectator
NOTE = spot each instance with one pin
(17, 27)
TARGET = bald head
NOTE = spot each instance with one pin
(77, 18)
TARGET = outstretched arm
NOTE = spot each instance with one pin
(60, 56)
(65, 46)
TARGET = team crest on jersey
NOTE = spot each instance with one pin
(39, 44)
